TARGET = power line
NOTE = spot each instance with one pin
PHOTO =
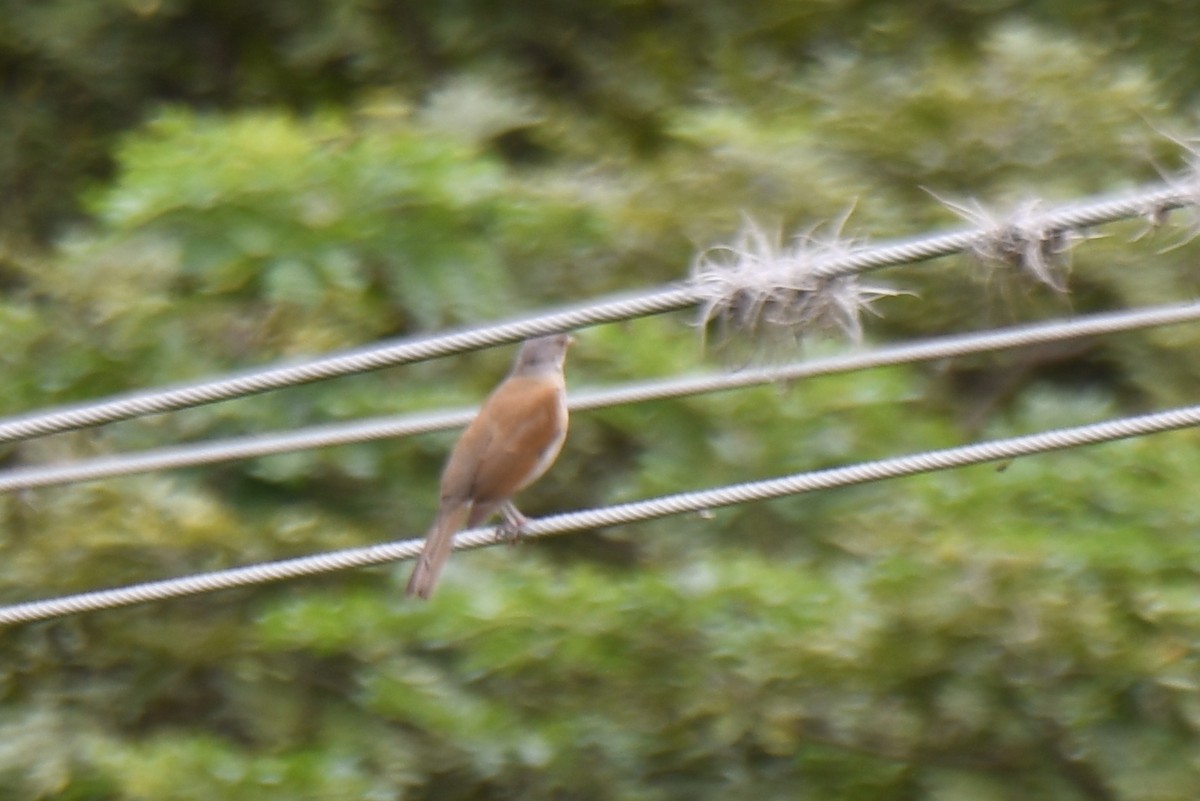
(228, 450)
(621, 514)
(1152, 202)
(399, 352)
(406, 425)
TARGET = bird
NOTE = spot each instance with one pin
(515, 437)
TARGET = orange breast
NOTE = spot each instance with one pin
(514, 439)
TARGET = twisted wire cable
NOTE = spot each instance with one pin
(621, 514)
(1151, 202)
(406, 425)
(228, 450)
(361, 360)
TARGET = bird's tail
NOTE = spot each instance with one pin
(437, 549)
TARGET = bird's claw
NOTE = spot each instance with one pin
(512, 524)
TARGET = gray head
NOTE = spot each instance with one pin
(542, 354)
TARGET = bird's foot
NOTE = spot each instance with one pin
(512, 524)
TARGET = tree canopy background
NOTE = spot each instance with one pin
(194, 187)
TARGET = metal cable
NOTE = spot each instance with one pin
(228, 450)
(621, 514)
(1153, 201)
(1150, 202)
(356, 361)
(405, 425)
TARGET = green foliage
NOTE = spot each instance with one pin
(271, 181)
(612, 71)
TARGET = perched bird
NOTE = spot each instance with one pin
(511, 442)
